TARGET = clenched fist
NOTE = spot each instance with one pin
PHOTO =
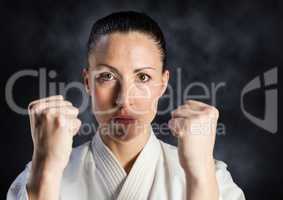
(53, 122)
(194, 123)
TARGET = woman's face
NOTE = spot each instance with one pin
(125, 78)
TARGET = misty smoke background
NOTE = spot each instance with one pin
(212, 41)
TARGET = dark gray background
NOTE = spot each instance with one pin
(213, 41)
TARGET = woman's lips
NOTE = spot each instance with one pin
(124, 120)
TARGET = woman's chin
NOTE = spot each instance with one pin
(124, 132)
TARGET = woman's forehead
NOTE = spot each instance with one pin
(131, 49)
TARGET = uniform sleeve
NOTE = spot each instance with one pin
(17, 190)
(228, 189)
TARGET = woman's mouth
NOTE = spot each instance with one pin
(124, 120)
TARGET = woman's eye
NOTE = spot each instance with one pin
(105, 76)
(144, 77)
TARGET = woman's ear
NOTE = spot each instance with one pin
(165, 80)
(86, 80)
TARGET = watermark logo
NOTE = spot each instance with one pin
(270, 120)
(182, 91)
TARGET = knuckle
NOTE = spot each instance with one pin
(212, 111)
(31, 110)
(35, 108)
(33, 103)
(196, 117)
(46, 115)
(76, 110)
(30, 106)
(59, 120)
(190, 101)
(215, 110)
(68, 103)
(79, 122)
(49, 112)
(209, 109)
(217, 113)
(39, 106)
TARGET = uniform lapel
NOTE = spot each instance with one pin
(107, 166)
(139, 181)
(136, 185)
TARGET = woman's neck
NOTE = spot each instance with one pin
(127, 152)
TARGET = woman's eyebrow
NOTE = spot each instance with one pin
(99, 66)
(142, 68)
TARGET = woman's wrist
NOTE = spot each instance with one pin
(199, 171)
(202, 184)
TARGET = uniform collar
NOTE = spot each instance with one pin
(114, 174)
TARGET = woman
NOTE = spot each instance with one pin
(125, 77)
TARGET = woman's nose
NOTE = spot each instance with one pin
(124, 95)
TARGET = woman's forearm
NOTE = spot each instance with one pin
(44, 183)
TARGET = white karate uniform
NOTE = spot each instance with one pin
(94, 173)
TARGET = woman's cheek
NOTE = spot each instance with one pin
(148, 104)
(153, 101)
(148, 110)
(102, 97)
